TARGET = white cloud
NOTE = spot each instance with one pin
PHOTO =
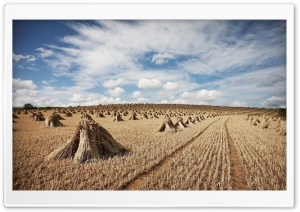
(47, 82)
(161, 58)
(44, 52)
(245, 86)
(202, 95)
(149, 83)
(136, 94)
(142, 100)
(275, 102)
(237, 103)
(180, 101)
(25, 91)
(102, 54)
(98, 51)
(28, 58)
(164, 101)
(113, 83)
(81, 97)
(85, 99)
(271, 81)
(23, 84)
(104, 48)
(171, 86)
(116, 92)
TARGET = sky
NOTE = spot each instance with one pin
(205, 62)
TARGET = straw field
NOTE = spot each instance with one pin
(224, 150)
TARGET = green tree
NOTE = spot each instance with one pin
(28, 106)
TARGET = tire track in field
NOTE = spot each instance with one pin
(236, 167)
(134, 183)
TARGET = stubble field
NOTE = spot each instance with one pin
(226, 151)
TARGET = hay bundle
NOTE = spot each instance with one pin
(53, 121)
(179, 123)
(100, 115)
(89, 142)
(198, 119)
(39, 117)
(154, 116)
(114, 114)
(255, 121)
(118, 118)
(32, 115)
(248, 116)
(167, 125)
(265, 123)
(144, 116)
(59, 117)
(86, 116)
(133, 116)
(68, 114)
(125, 113)
(15, 116)
(189, 121)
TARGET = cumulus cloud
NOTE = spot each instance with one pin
(161, 58)
(116, 92)
(85, 99)
(47, 82)
(100, 53)
(23, 84)
(180, 101)
(202, 95)
(237, 103)
(274, 102)
(28, 58)
(136, 94)
(142, 100)
(43, 53)
(171, 86)
(164, 101)
(149, 83)
(25, 91)
(113, 83)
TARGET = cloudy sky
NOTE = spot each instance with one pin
(70, 63)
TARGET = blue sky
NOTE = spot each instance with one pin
(71, 63)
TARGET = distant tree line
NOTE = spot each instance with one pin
(29, 106)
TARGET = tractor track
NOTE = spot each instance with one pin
(236, 168)
(134, 183)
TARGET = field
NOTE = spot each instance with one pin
(230, 149)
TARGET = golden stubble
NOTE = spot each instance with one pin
(198, 157)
